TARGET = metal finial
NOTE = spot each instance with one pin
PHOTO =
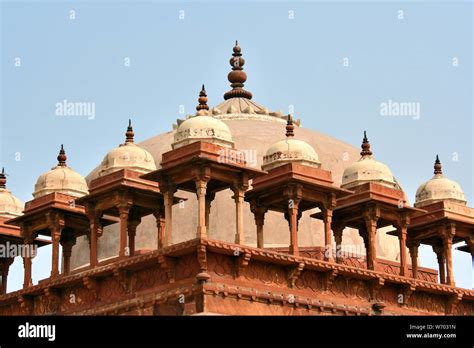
(365, 146)
(237, 76)
(202, 100)
(437, 166)
(3, 179)
(129, 134)
(62, 157)
(289, 126)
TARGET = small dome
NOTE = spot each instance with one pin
(127, 155)
(367, 169)
(10, 206)
(203, 128)
(290, 150)
(61, 179)
(439, 188)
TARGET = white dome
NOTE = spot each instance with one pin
(127, 155)
(130, 156)
(439, 188)
(367, 169)
(10, 206)
(203, 128)
(290, 150)
(61, 179)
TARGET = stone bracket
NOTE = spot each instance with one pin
(329, 278)
(294, 273)
(375, 285)
(123, 278)
(168, 265)
(26, 304)
(91, 284)
(202, 257)
(242, 262)
(452, 303)
(406, 292)
(52, 294)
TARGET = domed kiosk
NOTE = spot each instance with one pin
(253, 128)
(439, 188)
(61, 179)
(10, 206)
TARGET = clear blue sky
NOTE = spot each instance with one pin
(289, 62)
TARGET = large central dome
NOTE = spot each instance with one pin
(254, 129)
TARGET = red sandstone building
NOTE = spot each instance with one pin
(189, 224)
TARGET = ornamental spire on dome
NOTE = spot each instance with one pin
(129, 134)
(62, 157)
(202, 100)
(437, 166)
(237, 76)
(290, 127)
(365, 146)
(3, 179)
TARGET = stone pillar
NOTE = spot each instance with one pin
(124, 211)
(413, 247)
(239, 215)
(259, 215)
(439, 251)
(209, 198)
(132, 232)
(327, 219)
(338, 231)
(402, 239)
(450, 231)
(470, 245)
(293, 221)
(168, 197)
(371, 226)
(201, 188)
(6, 262)
(27, 281)
(160, 225)
(55, 238)
(95, 229)
(67, 250)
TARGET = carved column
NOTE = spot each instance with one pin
(327, 219)
(168, 196)
(28, 240)
(413, 247)
(239, 193)
(55, 237)
(293, 221)
(259, 215)
(371, 225)
(6, 262)
(95, 230)
(338, 230)
(159, 215)
(132, 232)
(124, 211)
(470, 245)
(201, 188)
(67, 250)
(449, 232)
(402, 239)
(209, 198)
(439, 251)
